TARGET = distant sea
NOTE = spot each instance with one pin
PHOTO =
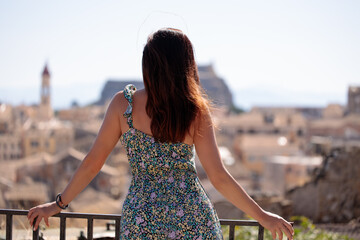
(83, 94)
(247, 98)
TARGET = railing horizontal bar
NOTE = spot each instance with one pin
(65, 214)
(13, 212)
(239, 222)
(88, 215)
(115, 216)
(92, 215)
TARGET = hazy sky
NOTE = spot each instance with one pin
(269, 52)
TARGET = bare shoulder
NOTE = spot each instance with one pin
(203, 120)
(140, 93)
(119, 102)
(140, 99)
(119, 97)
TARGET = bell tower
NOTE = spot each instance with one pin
(354, 100)
(46, 112)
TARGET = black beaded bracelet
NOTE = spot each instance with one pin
(59, 201)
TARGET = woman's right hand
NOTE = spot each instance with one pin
(277, 225)
(42, 211)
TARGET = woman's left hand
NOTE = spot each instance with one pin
(277, 225)
(42, 211)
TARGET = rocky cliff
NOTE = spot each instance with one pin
(333, 195)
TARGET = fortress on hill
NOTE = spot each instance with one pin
(213, 85)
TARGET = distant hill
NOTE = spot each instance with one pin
(214, 86)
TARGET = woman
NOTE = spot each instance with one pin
(159, 126)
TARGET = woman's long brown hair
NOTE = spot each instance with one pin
(171, 80)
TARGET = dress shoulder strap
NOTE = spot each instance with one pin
(129, 91)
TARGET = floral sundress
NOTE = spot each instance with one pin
(165, 199)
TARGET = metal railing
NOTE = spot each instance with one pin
(9, 213)
(233, 223)
(63, 216)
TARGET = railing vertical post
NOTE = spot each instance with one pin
(117, 229)
(62, 227)
(107, 226)
(90, 227)
(232, 232)
(261, 233)
(9, 218)
(36, 232)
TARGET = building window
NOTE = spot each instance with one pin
(240, 131)
(252, 131)
(300, 132)
(34, 143)
(269, 119)
(289, 121)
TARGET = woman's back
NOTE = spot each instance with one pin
(165, 199)
(141, 120)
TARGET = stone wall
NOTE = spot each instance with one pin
(333, 194)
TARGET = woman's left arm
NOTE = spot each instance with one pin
(106, 139)
(208, 153)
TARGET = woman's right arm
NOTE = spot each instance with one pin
(207, 150)
(106, 139)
